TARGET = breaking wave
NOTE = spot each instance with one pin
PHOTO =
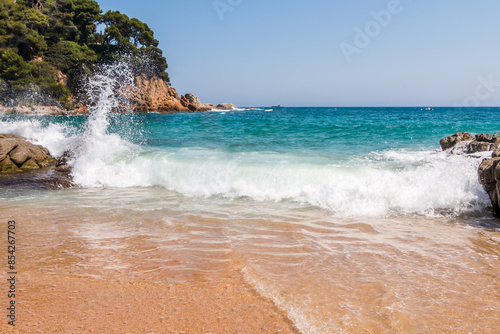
(391, 182)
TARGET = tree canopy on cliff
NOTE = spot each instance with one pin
(49, 45)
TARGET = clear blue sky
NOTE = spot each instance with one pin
(264, 52)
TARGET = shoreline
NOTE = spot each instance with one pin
(56, 111)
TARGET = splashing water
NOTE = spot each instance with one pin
(108, 90)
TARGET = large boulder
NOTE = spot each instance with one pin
(478, 146)
(186, 103)
(193, 99)
(17, 155)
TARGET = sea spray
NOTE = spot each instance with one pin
(108, 90)
(56, 137)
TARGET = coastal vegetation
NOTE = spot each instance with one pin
(48, 46)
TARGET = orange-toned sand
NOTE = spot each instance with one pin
(65, 285)
(56, 304)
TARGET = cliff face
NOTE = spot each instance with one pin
(154, 95)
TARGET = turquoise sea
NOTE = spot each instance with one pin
(349, 219)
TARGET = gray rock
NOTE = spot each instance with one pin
(496, 154)
(459, 148)
(193, 100)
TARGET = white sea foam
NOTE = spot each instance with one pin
(424, 183)
(377, 184)
(57, 138)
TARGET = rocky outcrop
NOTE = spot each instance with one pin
(208, 106)
(226, 106)
(17, 155)
(27, 166)
(464, 142)
(449, 142)
(191, 98)
(155, 95)
(150, 94)
(489, 170)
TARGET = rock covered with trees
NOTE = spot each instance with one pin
(48, 46)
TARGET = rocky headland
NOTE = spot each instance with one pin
(149, 95)
(489, 169)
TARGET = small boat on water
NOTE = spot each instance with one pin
(429, 109)
(279, 106)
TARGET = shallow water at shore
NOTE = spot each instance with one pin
(325, 274)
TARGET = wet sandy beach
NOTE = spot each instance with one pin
(130, 261)
(55, 304)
